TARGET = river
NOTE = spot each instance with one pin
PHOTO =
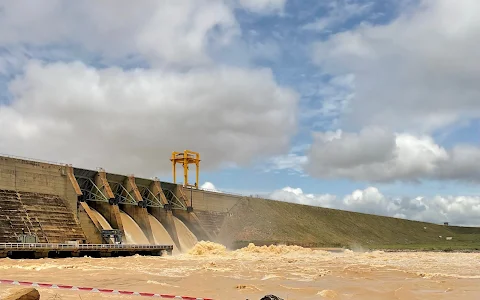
(209, 270)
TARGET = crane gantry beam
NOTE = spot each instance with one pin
(185, 158)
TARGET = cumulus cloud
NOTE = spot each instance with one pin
(131, 121)
(458, 210)
(418, 73)
(209, 186)
(180, 33)
(296, 195)
(163, 32)
(376, 154)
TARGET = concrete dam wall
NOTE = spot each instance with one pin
(60, 203)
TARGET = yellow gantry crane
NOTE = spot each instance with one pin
(185, 158)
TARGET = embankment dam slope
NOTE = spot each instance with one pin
(54, 202)
(267, 221)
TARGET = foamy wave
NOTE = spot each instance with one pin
(207, 248)
(204, 248)
(330, 294)
(273, 249)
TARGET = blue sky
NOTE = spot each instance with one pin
(316, 102)
(292, 65)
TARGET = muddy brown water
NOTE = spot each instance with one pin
(291, 272)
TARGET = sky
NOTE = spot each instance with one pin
(362, 105)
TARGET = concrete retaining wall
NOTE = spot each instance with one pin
(30, 176)
(92, 234)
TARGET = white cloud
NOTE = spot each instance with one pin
(209, 186)
(376, 154)
(296, 195)
(130, 121)
(163, 32)
(291, 161)
(419, 73)
(344, 150)
(263, 6)
(459, 210)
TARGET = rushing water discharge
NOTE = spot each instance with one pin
(160, 234)
(103, 222)
(209, 270)
(133, 232)
(186, 238)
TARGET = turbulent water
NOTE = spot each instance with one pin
(210, 270)
(160, 234)
(186, 238)
(133, 232)
(103, 222)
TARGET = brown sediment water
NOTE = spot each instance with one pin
(211, 270)
(186, 238)
(160, 234)
(133, 232)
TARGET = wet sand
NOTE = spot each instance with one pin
(250, 273)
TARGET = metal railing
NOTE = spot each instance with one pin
(74, 247)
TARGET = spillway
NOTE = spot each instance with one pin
(103, 222)
(186, 238)
(135, 235)
(133, 232)
(160, 234)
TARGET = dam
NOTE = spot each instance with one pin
(51, 203)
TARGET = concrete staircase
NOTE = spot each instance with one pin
(47, 216)
(211, 221)
(12, 217)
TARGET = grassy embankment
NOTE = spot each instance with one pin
(265, 222)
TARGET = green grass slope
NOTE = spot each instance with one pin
(266, 221)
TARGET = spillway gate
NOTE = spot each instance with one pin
(117, 190)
